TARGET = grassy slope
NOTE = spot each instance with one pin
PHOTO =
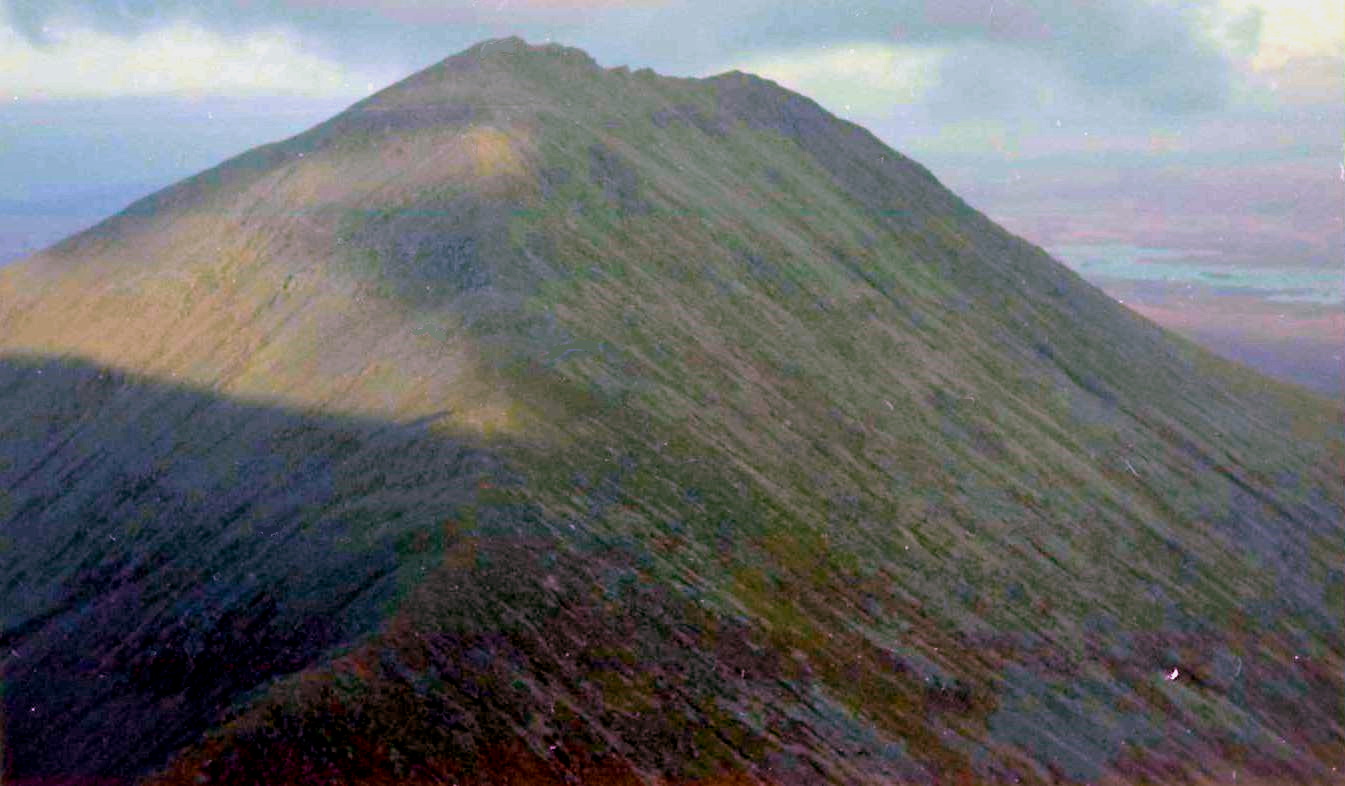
(765, 377)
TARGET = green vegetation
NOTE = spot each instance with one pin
(632, 427)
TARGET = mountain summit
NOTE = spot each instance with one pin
(534, 422)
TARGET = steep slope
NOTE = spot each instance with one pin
(680, 429)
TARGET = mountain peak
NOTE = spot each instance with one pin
(515, 46)
(693, 427)
(499, 70)
(513, 52)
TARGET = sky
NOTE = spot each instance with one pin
(1186, 155)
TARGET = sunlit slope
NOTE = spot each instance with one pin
(973, 510)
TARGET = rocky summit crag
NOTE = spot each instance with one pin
(534, 422)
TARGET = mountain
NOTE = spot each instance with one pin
(534, 422)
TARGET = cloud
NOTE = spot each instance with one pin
(1168, 57)
(1162, 56)
(1303, 81)
(1292, 29)
(1154, 58)
(863, 78)
(1156, 55)
(179, 59)
(344, 20)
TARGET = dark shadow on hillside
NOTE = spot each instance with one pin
(163, 551)
(170, 554)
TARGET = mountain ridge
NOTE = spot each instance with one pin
(736, 372)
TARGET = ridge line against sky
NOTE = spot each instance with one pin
(1157, 58)
(1206, 129)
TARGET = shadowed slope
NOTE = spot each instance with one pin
(165, 550)
(978, 509)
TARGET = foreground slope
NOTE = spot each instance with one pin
(549, 422)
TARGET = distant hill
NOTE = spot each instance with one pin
(534, 422)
